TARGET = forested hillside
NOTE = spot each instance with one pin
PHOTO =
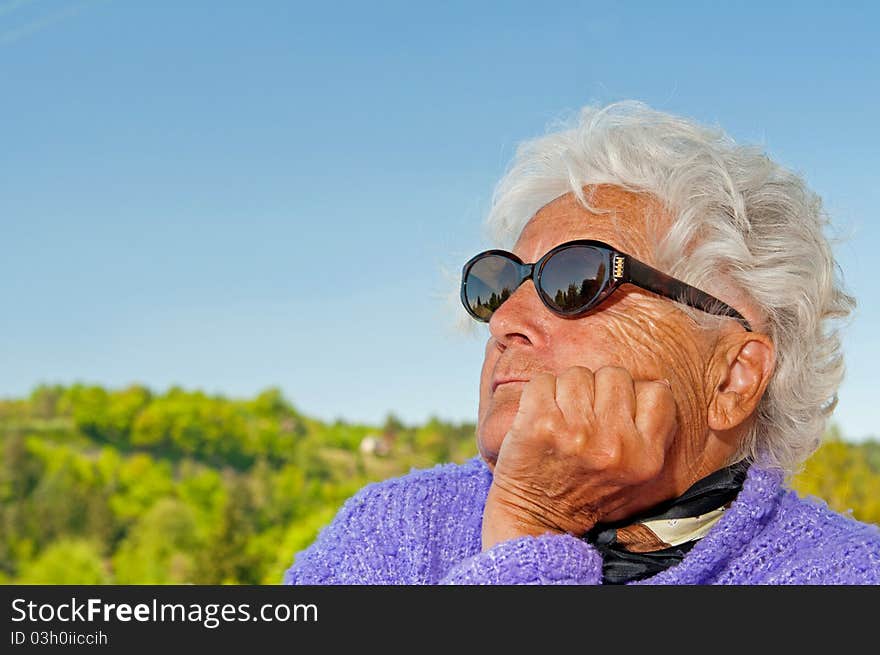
(130, 486)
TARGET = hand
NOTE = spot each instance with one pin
(583, 448)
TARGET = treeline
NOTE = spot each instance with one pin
(845, 475)
(129, 486)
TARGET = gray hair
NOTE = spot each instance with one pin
(740, 217)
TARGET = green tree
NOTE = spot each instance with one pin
(228, 556)
(161, 547)
(841, 474)
(67, 561)
(44, 400)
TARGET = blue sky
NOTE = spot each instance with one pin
(185, 187)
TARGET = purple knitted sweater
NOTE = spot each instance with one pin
(424, 528)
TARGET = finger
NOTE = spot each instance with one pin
(657, 412)
(574, 395)
(615, 395)
(537, 402)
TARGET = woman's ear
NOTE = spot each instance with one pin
(740, 372)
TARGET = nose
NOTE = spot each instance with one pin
(518, 317)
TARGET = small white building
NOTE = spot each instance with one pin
(375, 444)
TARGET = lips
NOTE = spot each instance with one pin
(497, 383)
(514, 370)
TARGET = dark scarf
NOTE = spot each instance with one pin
(632, 550)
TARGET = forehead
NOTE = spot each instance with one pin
(628, 221)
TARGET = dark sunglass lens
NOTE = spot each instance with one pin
(490, 281)
(572, 278)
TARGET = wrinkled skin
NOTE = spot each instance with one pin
(620, 409)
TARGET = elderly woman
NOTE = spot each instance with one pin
(659, 362)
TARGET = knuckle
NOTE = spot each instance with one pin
(613, 370)
(649, 403)
(545, 424)
(655, 394)
(579, 440)
(614, 376)
(607, 455)
(661, 389)
(577, 375)
(575, 443)
(577, 370)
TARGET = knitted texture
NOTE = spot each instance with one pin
(424, 528)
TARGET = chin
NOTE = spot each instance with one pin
(491, 433)
(489, 459)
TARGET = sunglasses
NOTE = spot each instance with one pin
(572, 279)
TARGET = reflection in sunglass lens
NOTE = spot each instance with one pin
(490, 281)
(571, 278)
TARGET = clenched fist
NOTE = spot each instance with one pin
(584, 447)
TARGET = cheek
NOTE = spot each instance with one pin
(665, 349)
(490, 358)
(593, 346)
(650, 343)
